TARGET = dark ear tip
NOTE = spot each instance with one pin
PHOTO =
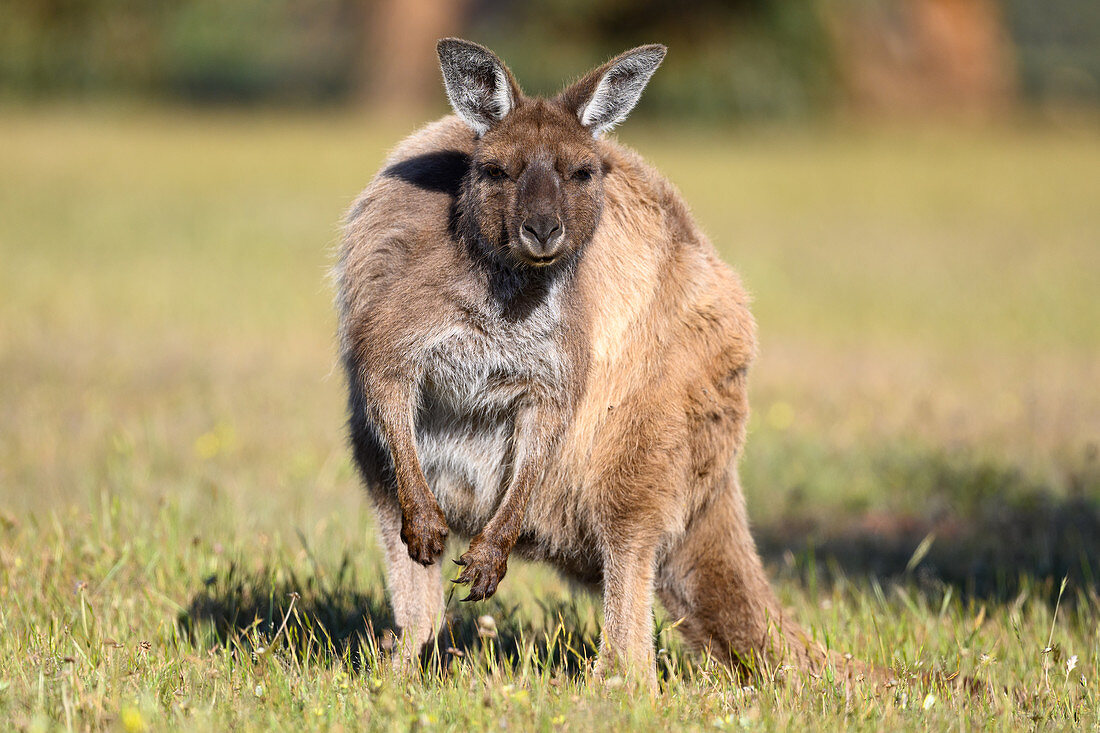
(447, 46)
(444, 46)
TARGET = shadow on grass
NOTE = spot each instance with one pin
(986, 532)
(341, 621)
(325, 618)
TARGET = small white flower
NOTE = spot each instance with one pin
(1071, 663)
(486, 627)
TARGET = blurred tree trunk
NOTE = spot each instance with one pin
(401, 69)
(923, 55)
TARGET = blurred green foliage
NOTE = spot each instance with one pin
(260, 48)
(730, 58)
(244, 50)
(1057, 48)
(748, 59)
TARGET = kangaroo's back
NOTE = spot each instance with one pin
(404, 211)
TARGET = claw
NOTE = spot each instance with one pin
(480, 572)
(475, 595)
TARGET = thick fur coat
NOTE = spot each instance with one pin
(581, 400)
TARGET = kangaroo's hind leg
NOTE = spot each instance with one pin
(713, 579)
(626, 644)
(416, 591)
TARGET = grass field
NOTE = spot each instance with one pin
(183, 543)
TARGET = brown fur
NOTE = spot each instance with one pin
(607, 391)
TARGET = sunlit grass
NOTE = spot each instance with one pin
(173, 466)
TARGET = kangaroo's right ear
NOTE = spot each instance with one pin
(479, 85)
(604, 97)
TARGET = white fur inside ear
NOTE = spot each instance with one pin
(502, 97)
(618, 91)
(477, 86)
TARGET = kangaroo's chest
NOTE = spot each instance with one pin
(475, 375)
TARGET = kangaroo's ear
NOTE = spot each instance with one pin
(605, 96)
(479, 85)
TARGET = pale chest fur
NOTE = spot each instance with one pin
(475, 373)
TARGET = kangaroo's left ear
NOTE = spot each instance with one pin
(605, 96)
(479, 85)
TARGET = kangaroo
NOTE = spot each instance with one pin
(545, 354)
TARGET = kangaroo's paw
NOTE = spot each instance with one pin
(424, 533)
(485, 564)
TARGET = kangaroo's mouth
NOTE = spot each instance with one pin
(539, 254)
(540, 260)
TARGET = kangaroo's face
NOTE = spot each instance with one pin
(535, 187)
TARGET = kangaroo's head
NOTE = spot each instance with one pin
(534, 191)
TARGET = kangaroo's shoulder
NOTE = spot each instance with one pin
(637, 192)
(437, 146)
(651, 257)
(407, 207)
(424, 169)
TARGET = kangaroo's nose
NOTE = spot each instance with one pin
(542, 228)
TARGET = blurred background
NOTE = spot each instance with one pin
(909, 188)
(742, 59)
(733, 58)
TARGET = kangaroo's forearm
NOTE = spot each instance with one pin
(423, 527)
(506, 524)
(536, 430)
(412, 487)
(486, 562)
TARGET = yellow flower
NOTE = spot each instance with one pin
(132, 722)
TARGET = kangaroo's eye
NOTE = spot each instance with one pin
(492, 170)
(582, 174)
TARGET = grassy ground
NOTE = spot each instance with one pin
(183, 543)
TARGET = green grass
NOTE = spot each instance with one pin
(173, 467)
